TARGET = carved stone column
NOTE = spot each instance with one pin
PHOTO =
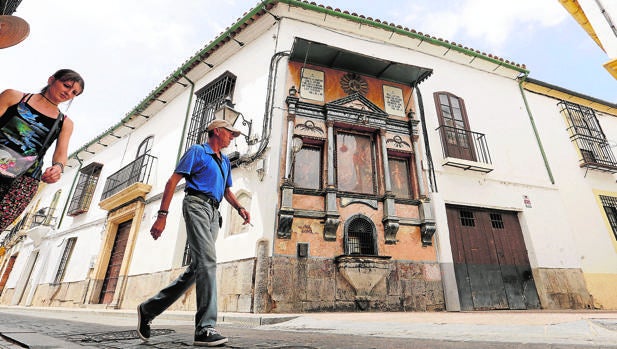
(390, 220)
(291, 119)
(332, 216)
(286, 211)
(414, 124)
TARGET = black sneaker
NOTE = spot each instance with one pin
(143, 325)
(209, 337)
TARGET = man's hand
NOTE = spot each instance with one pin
(158, 226)
(245, 215)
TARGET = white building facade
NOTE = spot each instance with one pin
(384, 170)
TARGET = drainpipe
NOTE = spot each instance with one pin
(186, 118)
(66, 204)
(427, 148)
(267, 122)
(535, 130)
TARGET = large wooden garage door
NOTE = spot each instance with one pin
(490, 260)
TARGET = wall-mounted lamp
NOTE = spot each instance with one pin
(292, 91)
(39, 218)
(227, 112)
(411, 114)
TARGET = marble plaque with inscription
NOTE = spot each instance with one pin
(312, 84)
(393, 98)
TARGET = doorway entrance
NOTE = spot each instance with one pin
(490, 260)
(115, 263)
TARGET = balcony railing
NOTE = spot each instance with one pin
(465, 149)
(596, 153)
(137, 171)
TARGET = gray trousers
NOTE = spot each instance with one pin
(202, 227)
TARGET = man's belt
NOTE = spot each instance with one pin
(205, 197)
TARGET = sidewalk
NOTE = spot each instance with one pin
(590, 328)
(544, 327)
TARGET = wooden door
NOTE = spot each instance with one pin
(115, 262)
(7, 272)
(458, 140)
(490, 260)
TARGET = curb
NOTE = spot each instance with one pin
(240, 319)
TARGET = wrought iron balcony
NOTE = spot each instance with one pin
(595, 153)
(465, 149)
(137, 171)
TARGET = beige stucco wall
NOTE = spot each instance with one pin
(602, 289)
(562, 289)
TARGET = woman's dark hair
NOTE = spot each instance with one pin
(67, 75)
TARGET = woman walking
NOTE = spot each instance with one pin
(29, 124)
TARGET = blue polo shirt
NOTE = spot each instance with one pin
(203, 173)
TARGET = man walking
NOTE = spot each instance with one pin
(208, 178)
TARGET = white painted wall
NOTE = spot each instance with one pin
(600, 24)
(593, 242)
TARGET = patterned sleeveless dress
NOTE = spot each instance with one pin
(23, 129)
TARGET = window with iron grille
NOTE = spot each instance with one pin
(496, 220)
(208, 100)
(586, 133)
(84, 190)
(610, 208)
(360, 236)
(66, 256)
(467, 218)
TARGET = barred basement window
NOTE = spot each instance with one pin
(86, 184)
(360, 236)
(66, 256)
(610, 208)
(208, 100)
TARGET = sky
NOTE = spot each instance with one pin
(125, 48)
